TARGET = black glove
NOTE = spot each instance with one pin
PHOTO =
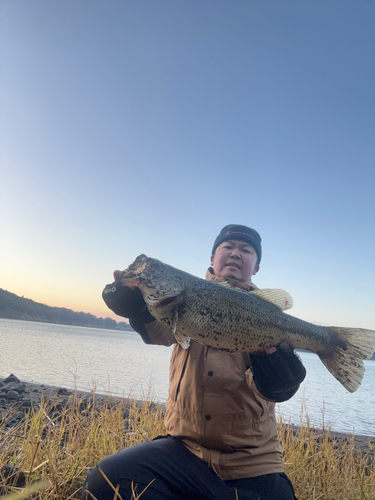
(277, 376)
(126, 302)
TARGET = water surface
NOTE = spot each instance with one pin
(120, 363)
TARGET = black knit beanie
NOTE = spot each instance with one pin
(242, 233)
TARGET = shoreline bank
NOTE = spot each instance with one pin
(18, 397)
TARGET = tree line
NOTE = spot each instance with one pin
(14, 307)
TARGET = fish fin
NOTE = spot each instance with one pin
(279, 298)
(352, 345)
(182, 339)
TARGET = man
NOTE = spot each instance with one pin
(222, 434)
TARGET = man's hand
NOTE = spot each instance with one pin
(277, 374)
(125, 301)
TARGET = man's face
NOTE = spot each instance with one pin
(235, 259)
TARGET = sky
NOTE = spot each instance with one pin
(144, 126)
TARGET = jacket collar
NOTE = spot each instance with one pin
(245, 285)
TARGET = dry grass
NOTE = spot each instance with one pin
(325, 467)
(60, 446)
(57, 446)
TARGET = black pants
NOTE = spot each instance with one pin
(164, 469)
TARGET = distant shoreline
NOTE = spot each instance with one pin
(125, 329)
(13, 306)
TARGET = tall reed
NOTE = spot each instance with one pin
(325, 467)
(58, 444)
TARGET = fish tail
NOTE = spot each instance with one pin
(345, 360)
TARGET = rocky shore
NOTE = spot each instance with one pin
(17, 398)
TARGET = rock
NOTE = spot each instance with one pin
(11, 378)
(63, 392)
(3, 394)
(15, 386)
(18, 416)
(12, 423)
(26, 403)
(13, 395)
(56, 407)
(10, 475)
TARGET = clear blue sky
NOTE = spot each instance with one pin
(145, 126)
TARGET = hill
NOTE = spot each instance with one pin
(14, 307)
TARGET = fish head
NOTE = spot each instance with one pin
(161, 285)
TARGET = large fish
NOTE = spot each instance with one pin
(232, 320)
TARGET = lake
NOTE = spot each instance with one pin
(120, 363)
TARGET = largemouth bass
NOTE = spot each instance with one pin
(232, 320)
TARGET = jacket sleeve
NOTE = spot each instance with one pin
(153, 332)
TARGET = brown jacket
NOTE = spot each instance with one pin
(214, 406)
